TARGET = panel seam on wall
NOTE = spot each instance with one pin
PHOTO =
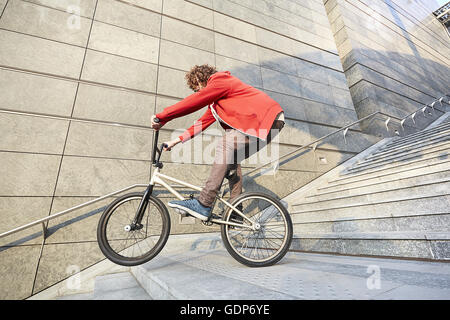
(424, 27)
(157, 78)
(382, 15)
(193, 24)
(384, 24)
(64, 147)
(394, 92)
(116, 87)
(4, 8)
(384, 65)
(252, 24)
(262, 13)
(172, 41)
(382, 45)
(378, 72)
(283, 144)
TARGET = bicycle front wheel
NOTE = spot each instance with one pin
(266, 245)
(133, 247)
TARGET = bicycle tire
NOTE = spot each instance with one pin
(226, 232)
(105, 243)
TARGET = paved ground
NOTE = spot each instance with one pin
(203, 269)
(198, 267)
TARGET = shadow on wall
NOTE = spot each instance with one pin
(401, 85)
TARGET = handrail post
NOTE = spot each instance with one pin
(44, 230)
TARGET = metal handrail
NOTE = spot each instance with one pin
(413, 114)
(315, 142)
(346, 129)
(48, 116)
(56, 215)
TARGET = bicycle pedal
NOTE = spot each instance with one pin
(182, 212)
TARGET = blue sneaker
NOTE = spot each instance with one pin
(193, 207)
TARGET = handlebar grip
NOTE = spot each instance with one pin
(165, 145)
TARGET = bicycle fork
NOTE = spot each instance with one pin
(136, 224)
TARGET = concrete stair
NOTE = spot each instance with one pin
(197, 267)
(392, 200)
(114, 286)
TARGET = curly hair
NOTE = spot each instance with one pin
(199, 73)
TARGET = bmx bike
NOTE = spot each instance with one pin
(256, 228)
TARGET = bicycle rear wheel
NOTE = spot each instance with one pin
(133, 247)
(265, 246)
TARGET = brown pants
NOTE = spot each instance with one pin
(233, 148)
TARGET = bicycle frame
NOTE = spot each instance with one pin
(157, 178)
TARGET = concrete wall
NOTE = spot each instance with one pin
(122, 61)
(395, 55)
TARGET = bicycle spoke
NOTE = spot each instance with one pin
(133, 243)
(269, 239)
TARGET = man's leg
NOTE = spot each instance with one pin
(224, 160)
(251, 146)
(233, 143)
(234, 176)
(233, 148)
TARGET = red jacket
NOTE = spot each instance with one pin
(236, 104)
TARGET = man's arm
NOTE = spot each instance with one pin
(216, 89)
(200, 125)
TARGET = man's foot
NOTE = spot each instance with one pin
(193, 207)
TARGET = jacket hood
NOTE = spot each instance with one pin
(218, 73)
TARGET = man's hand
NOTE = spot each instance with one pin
(155, 125)
(171, 144)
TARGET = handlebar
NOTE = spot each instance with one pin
(155, 144)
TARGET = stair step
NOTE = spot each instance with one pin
(78, 296)
(445, 193)
(416, 145)
(390, 146)
(423, 136)
(118, 286)
(364, 245)
(425, 144)
(436, 155)
(441, 187)
(391, 235)
(445, 118)
(199, 267)
(388, 175)
(381, 173)
(381, 209)
(395, 201)
(424, 149)
(387, 185)
(428, 222)
(420, 134)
